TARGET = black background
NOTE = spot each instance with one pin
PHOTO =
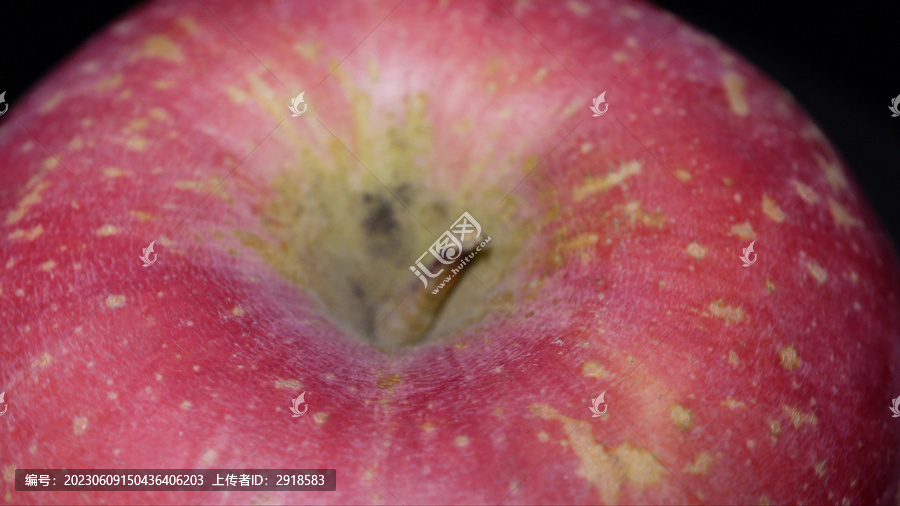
(840, 60)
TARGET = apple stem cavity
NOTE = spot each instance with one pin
(406, 318)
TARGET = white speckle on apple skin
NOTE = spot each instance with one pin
(593, 369)
(805, 192)
(30, 235)
(734, 84)
(113, 172)
(682, 417)
(107, 230)
(289, 383)
(50, 104)
(771, 209)
(630, 12)
(612, 179)
(45, 360)
(733, 404)
(79, 425)
(789, 358)
(702, 462)
(209, 457)
(32, 198)
(798, 418)
(608, 469)
(696, 250)
(834, 175)
(730, 314)
(578, 8)
(841, 216)
(159, 46)
(817, 271)
(743, 230)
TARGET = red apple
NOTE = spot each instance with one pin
(613, 268)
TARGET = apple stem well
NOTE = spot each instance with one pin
(406, 318)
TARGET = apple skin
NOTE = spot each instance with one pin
(613, 267)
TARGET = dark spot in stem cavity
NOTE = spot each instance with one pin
(380, 218)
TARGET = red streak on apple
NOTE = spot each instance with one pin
(613, 266)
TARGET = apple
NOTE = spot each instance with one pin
(283, 242)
